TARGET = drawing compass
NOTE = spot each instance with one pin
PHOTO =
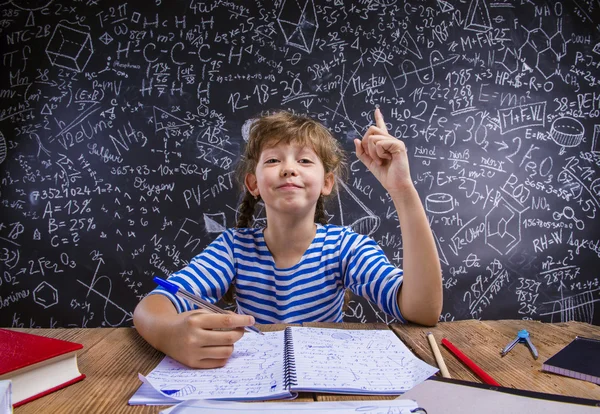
(523, 337)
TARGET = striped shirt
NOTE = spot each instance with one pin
(310, 291)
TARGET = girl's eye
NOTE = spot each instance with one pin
(271, 161)
(305, 161)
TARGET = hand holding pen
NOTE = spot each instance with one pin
(198, 338)
(196, 300)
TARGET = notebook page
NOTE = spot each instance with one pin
(355, 361)
(146, 394)
(254, 371)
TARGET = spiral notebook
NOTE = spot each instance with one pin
(298, 359)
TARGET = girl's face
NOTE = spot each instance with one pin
(290, 178)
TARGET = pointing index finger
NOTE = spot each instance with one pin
(379, 120)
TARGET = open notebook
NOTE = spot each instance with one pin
(280, 364)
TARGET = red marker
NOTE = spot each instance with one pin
(473, 366)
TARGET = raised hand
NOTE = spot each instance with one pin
(385, 156)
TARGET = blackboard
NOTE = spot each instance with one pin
(121, 123)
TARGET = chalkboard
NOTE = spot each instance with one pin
(121, 123)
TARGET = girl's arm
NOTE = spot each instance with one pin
(189, 337)
(420, 297)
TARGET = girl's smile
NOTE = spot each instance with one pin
(289, 186)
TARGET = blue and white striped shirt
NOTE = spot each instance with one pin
(310, 291)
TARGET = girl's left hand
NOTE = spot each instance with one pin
(385, 156)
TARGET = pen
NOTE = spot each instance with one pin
(175, 290)
(438, 356)
(473, 366)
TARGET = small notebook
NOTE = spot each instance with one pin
(298, 359)
(580, 359)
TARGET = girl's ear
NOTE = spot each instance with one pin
(328, 184)
(251, 184)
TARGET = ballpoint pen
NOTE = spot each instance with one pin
(175, 290)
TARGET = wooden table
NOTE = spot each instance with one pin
(112, 357)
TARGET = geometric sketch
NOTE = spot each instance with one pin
(215, 223)
(439, 203)
(445, 6)
(365, 225)
(69, 48)
(298, 23)
(164, 120)
(478, 17)
(2, 148)
(596, 48)
(400, 362)
(45, 295)
(567, 132)
(504, 233)
(579, 307)
(378, 345)
(410, 45)
(30, 20)
(106, 38)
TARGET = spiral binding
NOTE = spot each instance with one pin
(289, 362)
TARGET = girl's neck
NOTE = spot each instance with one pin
(289, 237)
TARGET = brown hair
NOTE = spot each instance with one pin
(285, 127)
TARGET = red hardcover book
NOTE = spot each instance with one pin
(37, 365)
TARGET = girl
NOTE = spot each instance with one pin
(294, 270)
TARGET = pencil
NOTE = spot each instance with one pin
(473, 366)
(438, 356)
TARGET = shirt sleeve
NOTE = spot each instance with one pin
(367, 272)
(208, 275)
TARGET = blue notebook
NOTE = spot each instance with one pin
(299, 359)
(580, 359)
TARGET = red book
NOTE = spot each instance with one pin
(37, 365)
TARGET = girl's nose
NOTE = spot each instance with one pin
(285, 172)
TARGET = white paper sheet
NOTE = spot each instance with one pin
(338, 407)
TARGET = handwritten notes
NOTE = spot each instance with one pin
(254, 371)
(355, 361)
(279, 364)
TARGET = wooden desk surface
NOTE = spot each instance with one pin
(112, 357)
